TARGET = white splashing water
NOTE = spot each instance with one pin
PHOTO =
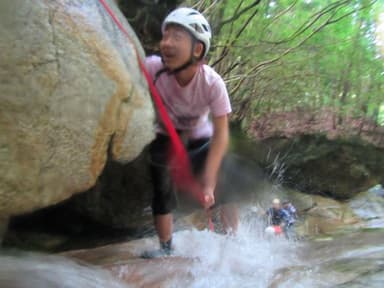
(247, 260)
(203, 259)
(32, 270)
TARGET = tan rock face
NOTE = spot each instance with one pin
(327, 216)
(70, 88)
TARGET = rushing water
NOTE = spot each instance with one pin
(22, 270)
(247, 260)
(205, 259)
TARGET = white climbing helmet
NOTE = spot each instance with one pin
(276, 201)
(194, 22)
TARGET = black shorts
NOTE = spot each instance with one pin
(164, 198)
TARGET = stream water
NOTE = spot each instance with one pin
(205, 259)
(21, 269)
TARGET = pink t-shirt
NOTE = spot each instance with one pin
(189, 106)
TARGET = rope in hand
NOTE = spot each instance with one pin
(182, 175)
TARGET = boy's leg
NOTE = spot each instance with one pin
(164, 200)
(164, 227)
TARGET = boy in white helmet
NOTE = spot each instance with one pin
(197, 102)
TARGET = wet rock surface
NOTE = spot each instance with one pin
(369, 206)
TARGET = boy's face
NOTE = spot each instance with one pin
(175, 46)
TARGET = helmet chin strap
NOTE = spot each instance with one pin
(192, 60)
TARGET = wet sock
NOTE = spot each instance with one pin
(166, 246)
(164, 251)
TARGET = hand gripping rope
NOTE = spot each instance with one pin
(182, 175)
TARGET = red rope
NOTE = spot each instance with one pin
(178, 157)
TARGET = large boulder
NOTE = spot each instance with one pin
(319, 151)
(314, 164)
(71, 94)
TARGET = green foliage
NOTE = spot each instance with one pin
(280, 55)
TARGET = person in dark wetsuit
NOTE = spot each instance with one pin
(284, 216)
(277, 216)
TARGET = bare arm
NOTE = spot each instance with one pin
(218, 148)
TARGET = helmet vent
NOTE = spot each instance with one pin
(196, 27)
(205, 28)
